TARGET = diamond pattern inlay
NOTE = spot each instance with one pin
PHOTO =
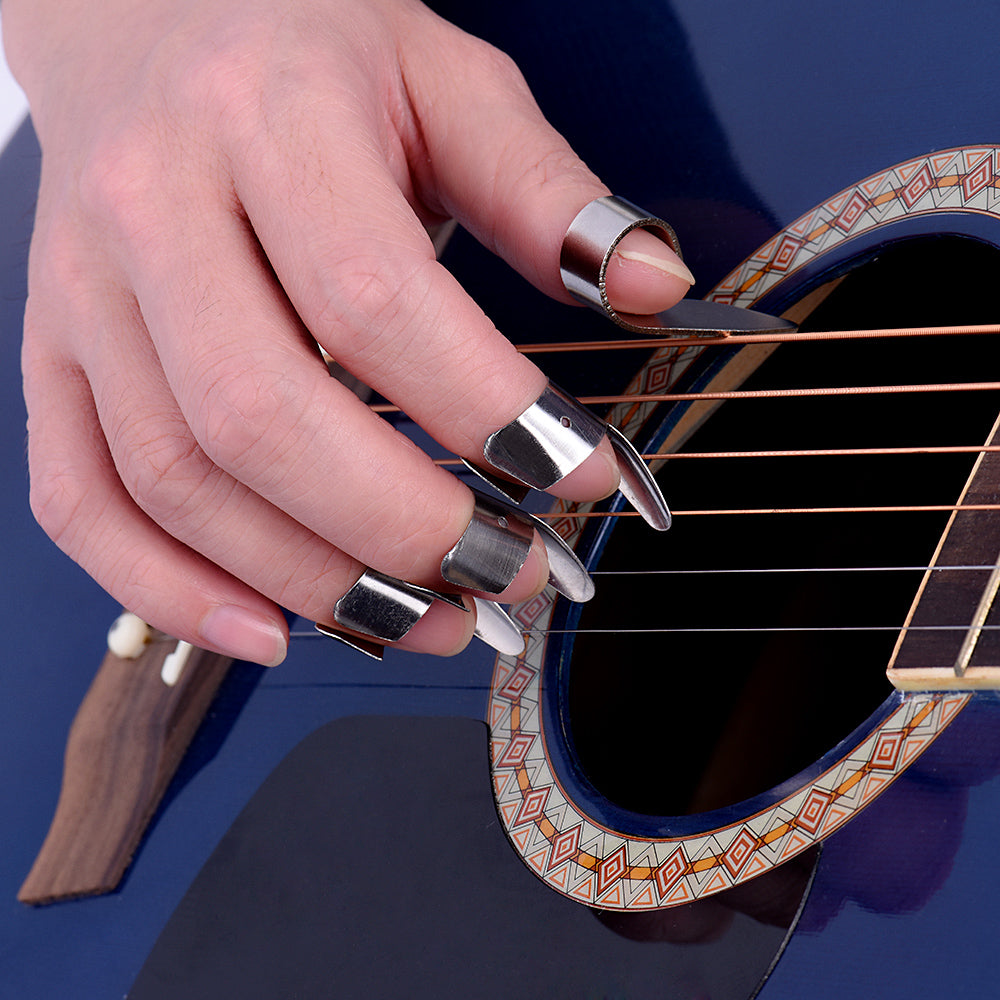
(543, 821)
(887, 749)
(612, 868)
(739, 851)
(565, 846)
(810, 816)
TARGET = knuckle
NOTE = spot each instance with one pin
(162, 468)
(66, 503)
(57, 496)
(370, 296)
(66, 302)
(496, 67)
(523, 170)
(115, 181)
(35, 357)
(366, 295)
(156, 458)
(407, 535)
(212, 83)
(135, 581)
(62, 495)
(250, 416)
(309, 583)
(195, 102)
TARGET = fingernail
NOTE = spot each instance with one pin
(497, 629)
(610, 227)
(244, 635)
(658, 255)
(596, 478)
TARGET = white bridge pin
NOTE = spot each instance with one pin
(173, 665)
(128, 636)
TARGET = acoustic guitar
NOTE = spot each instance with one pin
(703, 783)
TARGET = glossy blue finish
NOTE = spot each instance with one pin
(339, 872)
(905, 904)
(729, 122)
(54, 621)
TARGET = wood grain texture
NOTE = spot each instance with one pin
(126, 742)
(934, 660)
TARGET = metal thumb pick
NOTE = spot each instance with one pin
(587, 249)
(589, 244)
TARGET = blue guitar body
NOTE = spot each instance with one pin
(387, 853)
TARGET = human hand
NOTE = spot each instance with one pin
(222, 182)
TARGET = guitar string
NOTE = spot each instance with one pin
(806, 393)
(788, 569)
(742, 512)
(738, 339)
(813, 392)
(795, 337)
(717, 630)
(957, 449)
(760, 629)
(744, 571)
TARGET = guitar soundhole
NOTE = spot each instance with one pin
(708, 710)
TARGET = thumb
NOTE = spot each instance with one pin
(497, 166)
(645, 276)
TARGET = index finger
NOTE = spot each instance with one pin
(371, 292)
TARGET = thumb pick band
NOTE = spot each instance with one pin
(587, 248)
